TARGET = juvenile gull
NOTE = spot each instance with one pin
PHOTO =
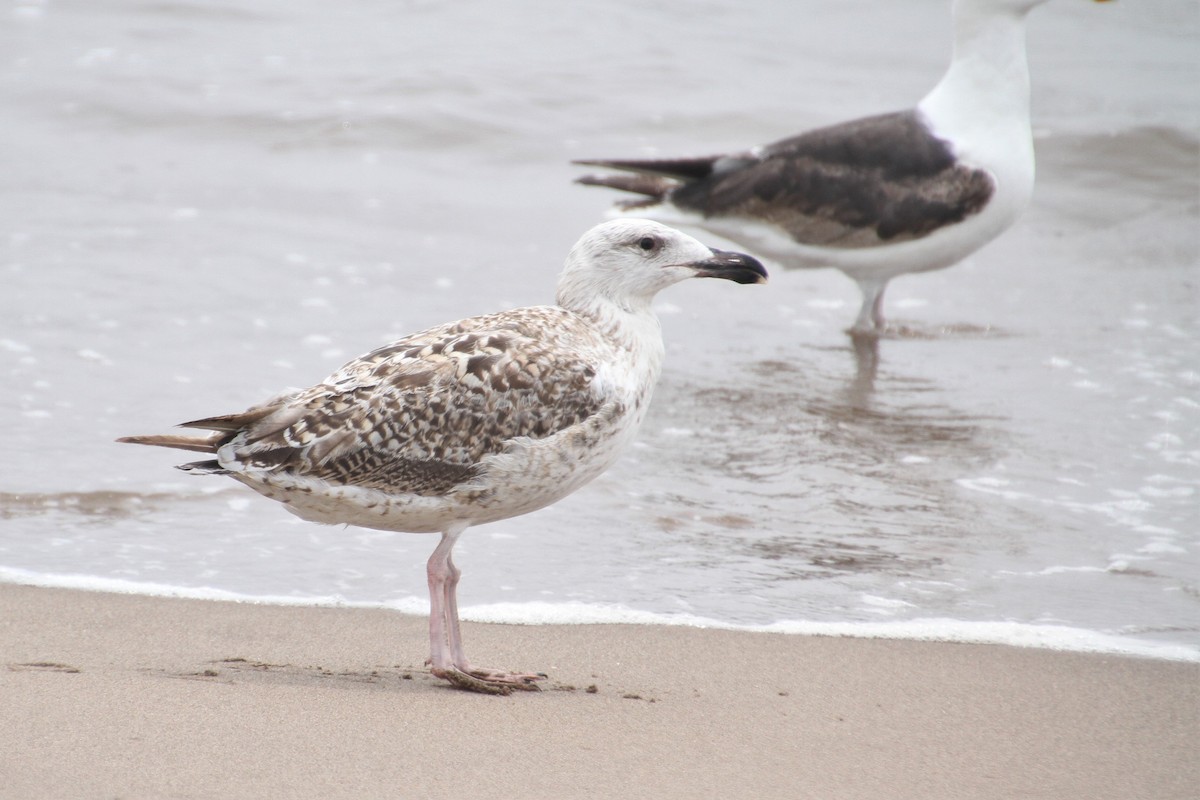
(877, 197)
(473, 421)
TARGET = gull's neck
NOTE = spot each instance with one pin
(985, 92)
(584, 295)
(629, 326)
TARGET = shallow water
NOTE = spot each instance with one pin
(207, 202)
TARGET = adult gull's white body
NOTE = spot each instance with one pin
(878, 197)
(476, 420)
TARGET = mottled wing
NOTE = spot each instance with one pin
(419, 415)
(859, 184)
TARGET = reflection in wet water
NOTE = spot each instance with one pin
(824, 484)
(94, 508)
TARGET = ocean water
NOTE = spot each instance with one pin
(207, 202)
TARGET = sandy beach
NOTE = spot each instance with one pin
(108, 695)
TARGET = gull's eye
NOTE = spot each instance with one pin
(648, 243)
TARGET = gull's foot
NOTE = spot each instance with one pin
(867, 332)
(490, 681)
(926, 331)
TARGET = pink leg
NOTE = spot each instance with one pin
(870, 319)
(447, 657)
(437, 570)
(453, 629)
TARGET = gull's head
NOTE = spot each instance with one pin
(627, 262)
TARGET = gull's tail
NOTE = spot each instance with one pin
(199, 444)
(654, 179)
(651, 186)
(224, 427)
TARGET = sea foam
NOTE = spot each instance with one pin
(1015, 634)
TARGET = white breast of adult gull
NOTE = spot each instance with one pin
(878, 197)
(476, 420)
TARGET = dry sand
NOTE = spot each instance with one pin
(106, 695)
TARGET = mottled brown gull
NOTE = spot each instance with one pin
(476, 420)
(878, 197)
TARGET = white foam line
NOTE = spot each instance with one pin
(94, 583)
(1014, 634)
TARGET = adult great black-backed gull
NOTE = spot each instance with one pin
(878, 197)
(476, 420)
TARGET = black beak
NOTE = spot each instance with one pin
(736, 267)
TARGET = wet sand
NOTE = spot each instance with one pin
(107, 695)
